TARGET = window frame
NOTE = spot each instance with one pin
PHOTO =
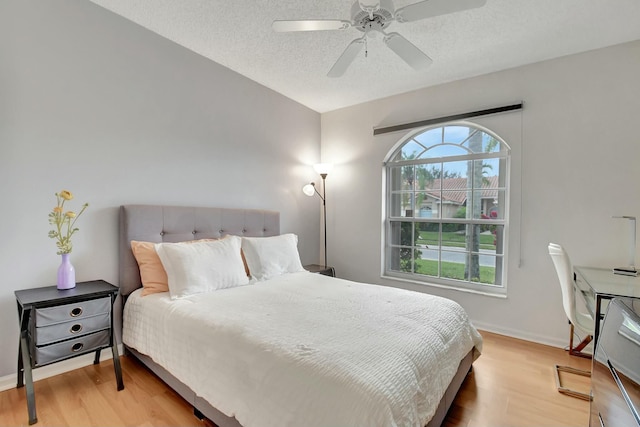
(503, 156)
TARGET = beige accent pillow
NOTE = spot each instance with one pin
(154, 278)
(244, 261)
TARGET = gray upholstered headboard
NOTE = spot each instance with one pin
(151, 223)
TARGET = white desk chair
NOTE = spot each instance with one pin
(582, 321)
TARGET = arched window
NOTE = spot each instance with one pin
(446, 207)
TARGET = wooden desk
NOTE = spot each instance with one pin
(599, 284)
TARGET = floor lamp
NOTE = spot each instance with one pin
(310, 189)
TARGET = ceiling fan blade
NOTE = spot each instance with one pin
(406, 50)
(282, 26)
(346, 58)
(428, 8)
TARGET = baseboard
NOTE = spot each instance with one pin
(9, 381)
(540, 339)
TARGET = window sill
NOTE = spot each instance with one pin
(501, 294)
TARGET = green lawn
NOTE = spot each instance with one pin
(453, 239)
(453, 270)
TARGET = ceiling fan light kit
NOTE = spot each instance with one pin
(374, 16)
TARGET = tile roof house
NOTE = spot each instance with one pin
(450, 194)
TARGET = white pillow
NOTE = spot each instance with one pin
(194, 268)
(269, 257)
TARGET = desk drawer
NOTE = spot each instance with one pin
(73, 311)
(62, 350)
(71, 329)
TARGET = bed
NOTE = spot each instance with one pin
(293, 349)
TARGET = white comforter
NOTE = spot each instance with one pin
(307, 350)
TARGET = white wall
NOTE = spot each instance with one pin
(95, 104)
(580, 151)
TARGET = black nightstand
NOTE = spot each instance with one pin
(315, 268)
(60, 324)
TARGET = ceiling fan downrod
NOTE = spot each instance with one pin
(369, 7)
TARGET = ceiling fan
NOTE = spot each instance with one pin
(374, 16)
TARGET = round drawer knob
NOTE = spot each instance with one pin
(76, 328)
(76, 312)
(77, 347)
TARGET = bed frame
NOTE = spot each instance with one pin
(152, 223)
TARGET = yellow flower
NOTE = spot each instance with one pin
(64, 224)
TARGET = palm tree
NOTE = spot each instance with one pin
(475, 174)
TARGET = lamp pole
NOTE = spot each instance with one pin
(324, 214)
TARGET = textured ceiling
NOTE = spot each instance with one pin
(502, 34)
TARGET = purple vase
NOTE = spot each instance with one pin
(66, 274)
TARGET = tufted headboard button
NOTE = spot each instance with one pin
(162, 233)
(193, 232)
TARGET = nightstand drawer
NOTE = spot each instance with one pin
(71, 328)
(65, 349)
(73, 311)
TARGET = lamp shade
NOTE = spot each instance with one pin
(309, 189)
(323, 168)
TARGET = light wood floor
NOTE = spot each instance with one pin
(512, 384)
